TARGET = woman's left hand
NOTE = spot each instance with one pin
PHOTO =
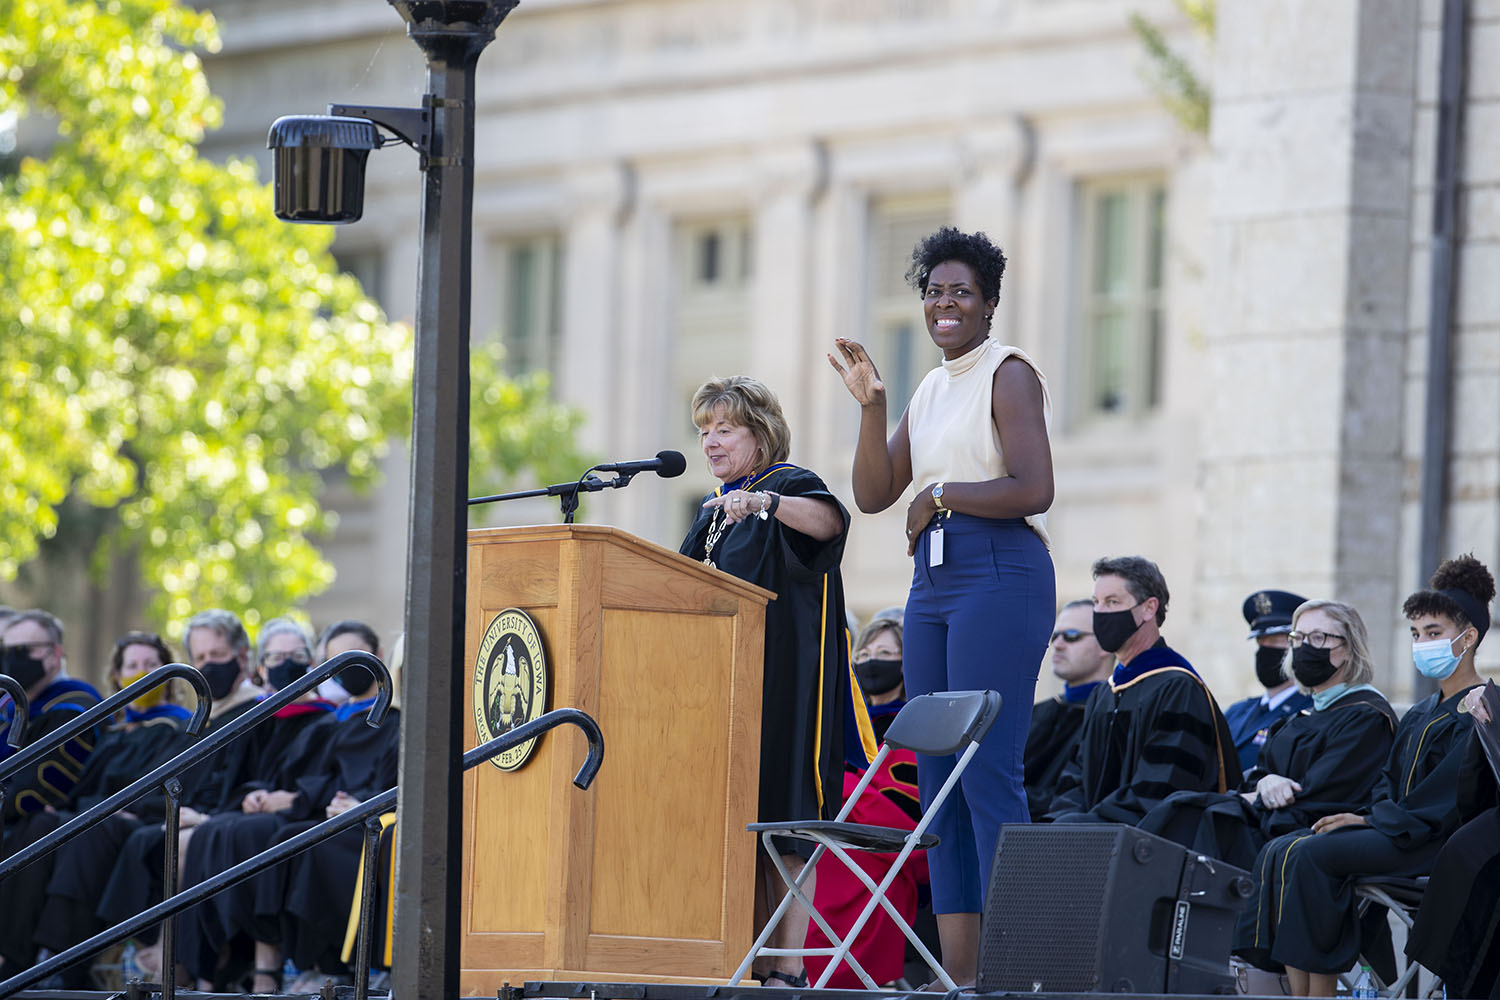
(1337, 820)
(740, 504)
(918, 514)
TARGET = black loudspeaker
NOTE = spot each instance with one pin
(1085, 908)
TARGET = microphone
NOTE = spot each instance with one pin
(666, 464)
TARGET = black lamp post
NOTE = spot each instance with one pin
(319, 178)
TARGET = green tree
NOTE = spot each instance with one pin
(177, 367)
(1187, 95)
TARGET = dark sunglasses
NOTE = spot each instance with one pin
(1068, 635)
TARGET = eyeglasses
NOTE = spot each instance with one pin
(1317, 640)
(277, 659)
(1067, 635)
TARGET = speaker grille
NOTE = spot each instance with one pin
(1046, 910)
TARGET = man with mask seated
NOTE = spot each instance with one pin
(31, 653)
(1269, 615)
(1153, 728)
(1057, 722)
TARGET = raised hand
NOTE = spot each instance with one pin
(860, 378)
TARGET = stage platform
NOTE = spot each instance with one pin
(603, 991)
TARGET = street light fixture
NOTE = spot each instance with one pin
(319, 177)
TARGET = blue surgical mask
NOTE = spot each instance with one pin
(1434, 659)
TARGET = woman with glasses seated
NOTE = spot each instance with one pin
(1321, 761)
(1303, 917)
(51, 901)
(245, 818)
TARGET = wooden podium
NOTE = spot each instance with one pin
(649, 874)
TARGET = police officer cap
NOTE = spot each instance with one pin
(1269, 612)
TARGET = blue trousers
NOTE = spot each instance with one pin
(980, 620)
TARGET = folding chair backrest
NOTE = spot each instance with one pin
(943, 722)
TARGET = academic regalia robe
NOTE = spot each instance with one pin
(1250, 723)
(1151, 730)
(50, 780)
(340, 752)
(1056, 728)
(1303, 914)
(807, 686)
(208, 787)
(1457, 929)
(1333, 754)
(121, 756)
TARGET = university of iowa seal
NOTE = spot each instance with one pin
(510, 683)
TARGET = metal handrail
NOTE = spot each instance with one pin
(17, 693)
(109, 706)
(366, 811)
(205, 746)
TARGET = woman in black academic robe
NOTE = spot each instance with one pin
(1303, 916)
(1321, 761)
(1457, 929)
(150, 733)
(779, 527)
(341, 752)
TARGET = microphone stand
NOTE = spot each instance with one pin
(566, 492)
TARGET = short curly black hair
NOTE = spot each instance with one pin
(973, 249)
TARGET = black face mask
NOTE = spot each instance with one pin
(221, 677)
(1113, 629)
(1312, 666)
(878, 676)
(22, 667)
(356, 679)
(1268, 666)
(285, 673)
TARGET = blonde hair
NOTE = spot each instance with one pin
(1360, 669)
(746, 402)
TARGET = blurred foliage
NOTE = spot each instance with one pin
(178, 368)
(1187, 96)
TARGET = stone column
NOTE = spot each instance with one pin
(598, 197)
(782, 353)
(1301, 472)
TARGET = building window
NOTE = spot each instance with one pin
(529, 301)
(1118, 356)
(897, 339)
(714, 257)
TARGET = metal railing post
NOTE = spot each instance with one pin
(370, 861)
(169, 888)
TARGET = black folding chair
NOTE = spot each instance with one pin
(939, 724)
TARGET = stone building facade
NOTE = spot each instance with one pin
(1232, 325)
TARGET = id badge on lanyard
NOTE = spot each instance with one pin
(935, 544)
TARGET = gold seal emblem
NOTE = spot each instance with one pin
(1262, 603)
(510, 683)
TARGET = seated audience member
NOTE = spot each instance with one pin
(52, 899)
(1269, 614)
(1153, 729)
(877, 667)
(1321, 761)
(1457, 930)
(1057, 722)
(300, 906)
(338, 752)
(1303, 916)
(216, 644)
(31, 653)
